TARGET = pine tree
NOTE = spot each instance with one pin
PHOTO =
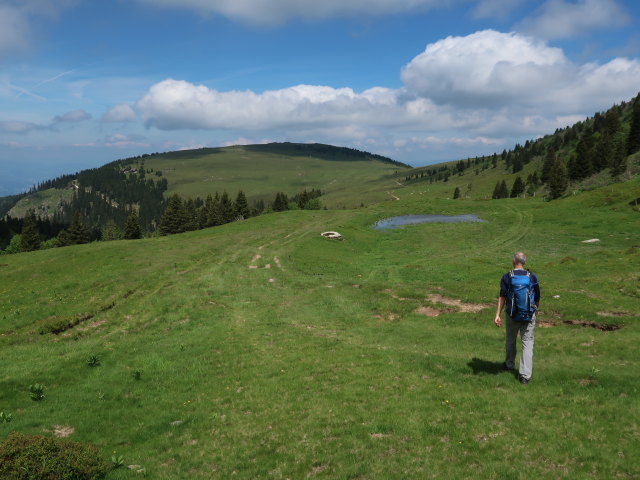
(281, 203)
(500, 190)
(174, 218)
(242, 206)
(559, 179)
(191, 215)
(216, 211)
(618, 159)
(518, 188)
(226, 208)
(584, 154)
(504, 191)
(111, 231)
(205, 214)
(456, 193)
(132, 230)
(79, 231)
(30, 240)
(602, 152)
(64, 239)
(633, 140)
(549, 161)
(496, 191)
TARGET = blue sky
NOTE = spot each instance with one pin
(85, 82)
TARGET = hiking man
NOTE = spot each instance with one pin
(520, 293)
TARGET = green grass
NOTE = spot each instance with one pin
(319, 366)
(44, 203)
(260, 174)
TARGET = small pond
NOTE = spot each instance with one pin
(397, 222)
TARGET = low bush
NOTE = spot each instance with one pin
(31, 457)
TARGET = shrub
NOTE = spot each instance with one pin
(36, 391)
(27, 457)
(93, 361)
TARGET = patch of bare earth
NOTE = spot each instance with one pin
(460, 305)
(605, 327)
(63, 431)
(317, 470)
(91, 325)
(428, 311)
(386, 317)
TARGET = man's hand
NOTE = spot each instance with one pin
(498, 321)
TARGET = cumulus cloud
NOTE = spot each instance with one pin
(276, 12)
(177, 104)
(121, 113)
(485, 68)
(482, 87)
(495, 70)
(558, 19)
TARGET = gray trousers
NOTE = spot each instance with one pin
(526, 338)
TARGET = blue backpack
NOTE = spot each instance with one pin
(521, 305)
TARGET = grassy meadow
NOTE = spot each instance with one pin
(261, 173)
(260, 349)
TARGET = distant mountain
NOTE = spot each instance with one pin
(111, 193)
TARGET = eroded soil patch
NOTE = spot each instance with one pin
(605, 327)
(453, 305)
(460, 305)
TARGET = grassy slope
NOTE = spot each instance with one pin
(260, 174)
(44, 203)
(319, 366)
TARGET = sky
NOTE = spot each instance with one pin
(83, 82)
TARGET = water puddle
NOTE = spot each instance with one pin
(398, 222)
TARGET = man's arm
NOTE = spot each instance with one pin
(498, 320)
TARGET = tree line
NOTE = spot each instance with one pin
(600, 143)
(179, 215)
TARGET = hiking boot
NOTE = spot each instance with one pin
(523, 380)
(506, 368)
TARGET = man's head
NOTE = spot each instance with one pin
(519, 259)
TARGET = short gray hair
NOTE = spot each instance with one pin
(520, 258)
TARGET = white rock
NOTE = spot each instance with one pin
(334, 235)
(593, 240)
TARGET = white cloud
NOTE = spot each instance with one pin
(493, 70)
(275, 12)
(561, 19)
(177, 104)
(460, 92)
(74, 116)
(13, 29)
(121, 113)
(13, 126)
(484, 69)
(16, 19)
(117, 140)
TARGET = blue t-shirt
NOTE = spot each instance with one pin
(504, 283)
